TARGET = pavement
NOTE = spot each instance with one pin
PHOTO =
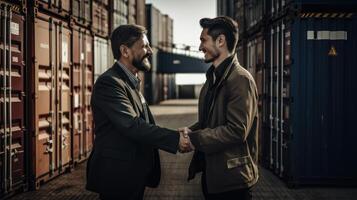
(174, 186)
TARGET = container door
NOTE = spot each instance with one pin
(64, 96)
(322, 91)
(88, 87)
(45, 44)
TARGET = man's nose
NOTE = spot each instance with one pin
(149, 50)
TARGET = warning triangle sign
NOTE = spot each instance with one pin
(332, 51)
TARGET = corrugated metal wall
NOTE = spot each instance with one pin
(50, 54)
(12, 99)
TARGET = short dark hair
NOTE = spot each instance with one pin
(222, 25)
(125, 35)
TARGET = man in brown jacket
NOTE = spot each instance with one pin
(225, 137)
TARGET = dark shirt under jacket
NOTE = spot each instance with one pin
(213, 75)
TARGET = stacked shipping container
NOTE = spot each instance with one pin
(49, 76)
(300, 55)
(46, 120)
(82, 84)
(12, 98)
(160, 33)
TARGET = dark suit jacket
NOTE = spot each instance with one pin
(230, 142)
(125, 155)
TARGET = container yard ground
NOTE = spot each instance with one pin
(174, 114)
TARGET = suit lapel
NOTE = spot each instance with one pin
(134, 96)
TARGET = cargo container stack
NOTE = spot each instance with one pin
(101, 30)
(300, 53)
(49, 72)
(50, 54)
(82, 80)
(159, 86)
(12, 98)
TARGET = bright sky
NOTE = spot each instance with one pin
(186, 15)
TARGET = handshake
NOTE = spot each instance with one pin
(185, 144)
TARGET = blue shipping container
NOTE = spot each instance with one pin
(311, 99)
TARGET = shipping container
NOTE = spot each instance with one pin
(82, 85)
(57, 7)
(226, 7)
(100, 19)
(81, 12)
(140, 12)
(166, 38)
(102, 56)
(275, 9)
(153, 22)
(119, 14)
(132, 11)
(12, 100)
(49, 77)
(169, 86)
(189, 91)
(102, 2)
(254, 12)
(234, 9)
(310, 98)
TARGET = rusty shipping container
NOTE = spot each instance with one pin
(100, 19)
(12, 100)
(166, 31)
(81, 12)
(49, 76)
(132, 11)
(60, 8)
(140, 12)
(119, 14)
(82, 84)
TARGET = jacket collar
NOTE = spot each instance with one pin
(226, 74)
(119, 71)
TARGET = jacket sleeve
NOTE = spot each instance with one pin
(195, 126)
(111, 97)
(241, 108)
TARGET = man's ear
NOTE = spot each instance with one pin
(221, 40)
(124, 51)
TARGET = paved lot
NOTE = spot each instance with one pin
(174, 114)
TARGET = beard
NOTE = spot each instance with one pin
(142, 64)
(209, 60)
(214, 55)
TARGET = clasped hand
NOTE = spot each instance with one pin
(185, 144)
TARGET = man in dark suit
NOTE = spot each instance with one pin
(225, 137)
(125, 155)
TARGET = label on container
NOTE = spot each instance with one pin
(64, 52)
(82, 56)
(89, 47)
(332, 51)
(76, 100)
(44, 46)
(76, 126)
(15, 28)
(15, 59)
